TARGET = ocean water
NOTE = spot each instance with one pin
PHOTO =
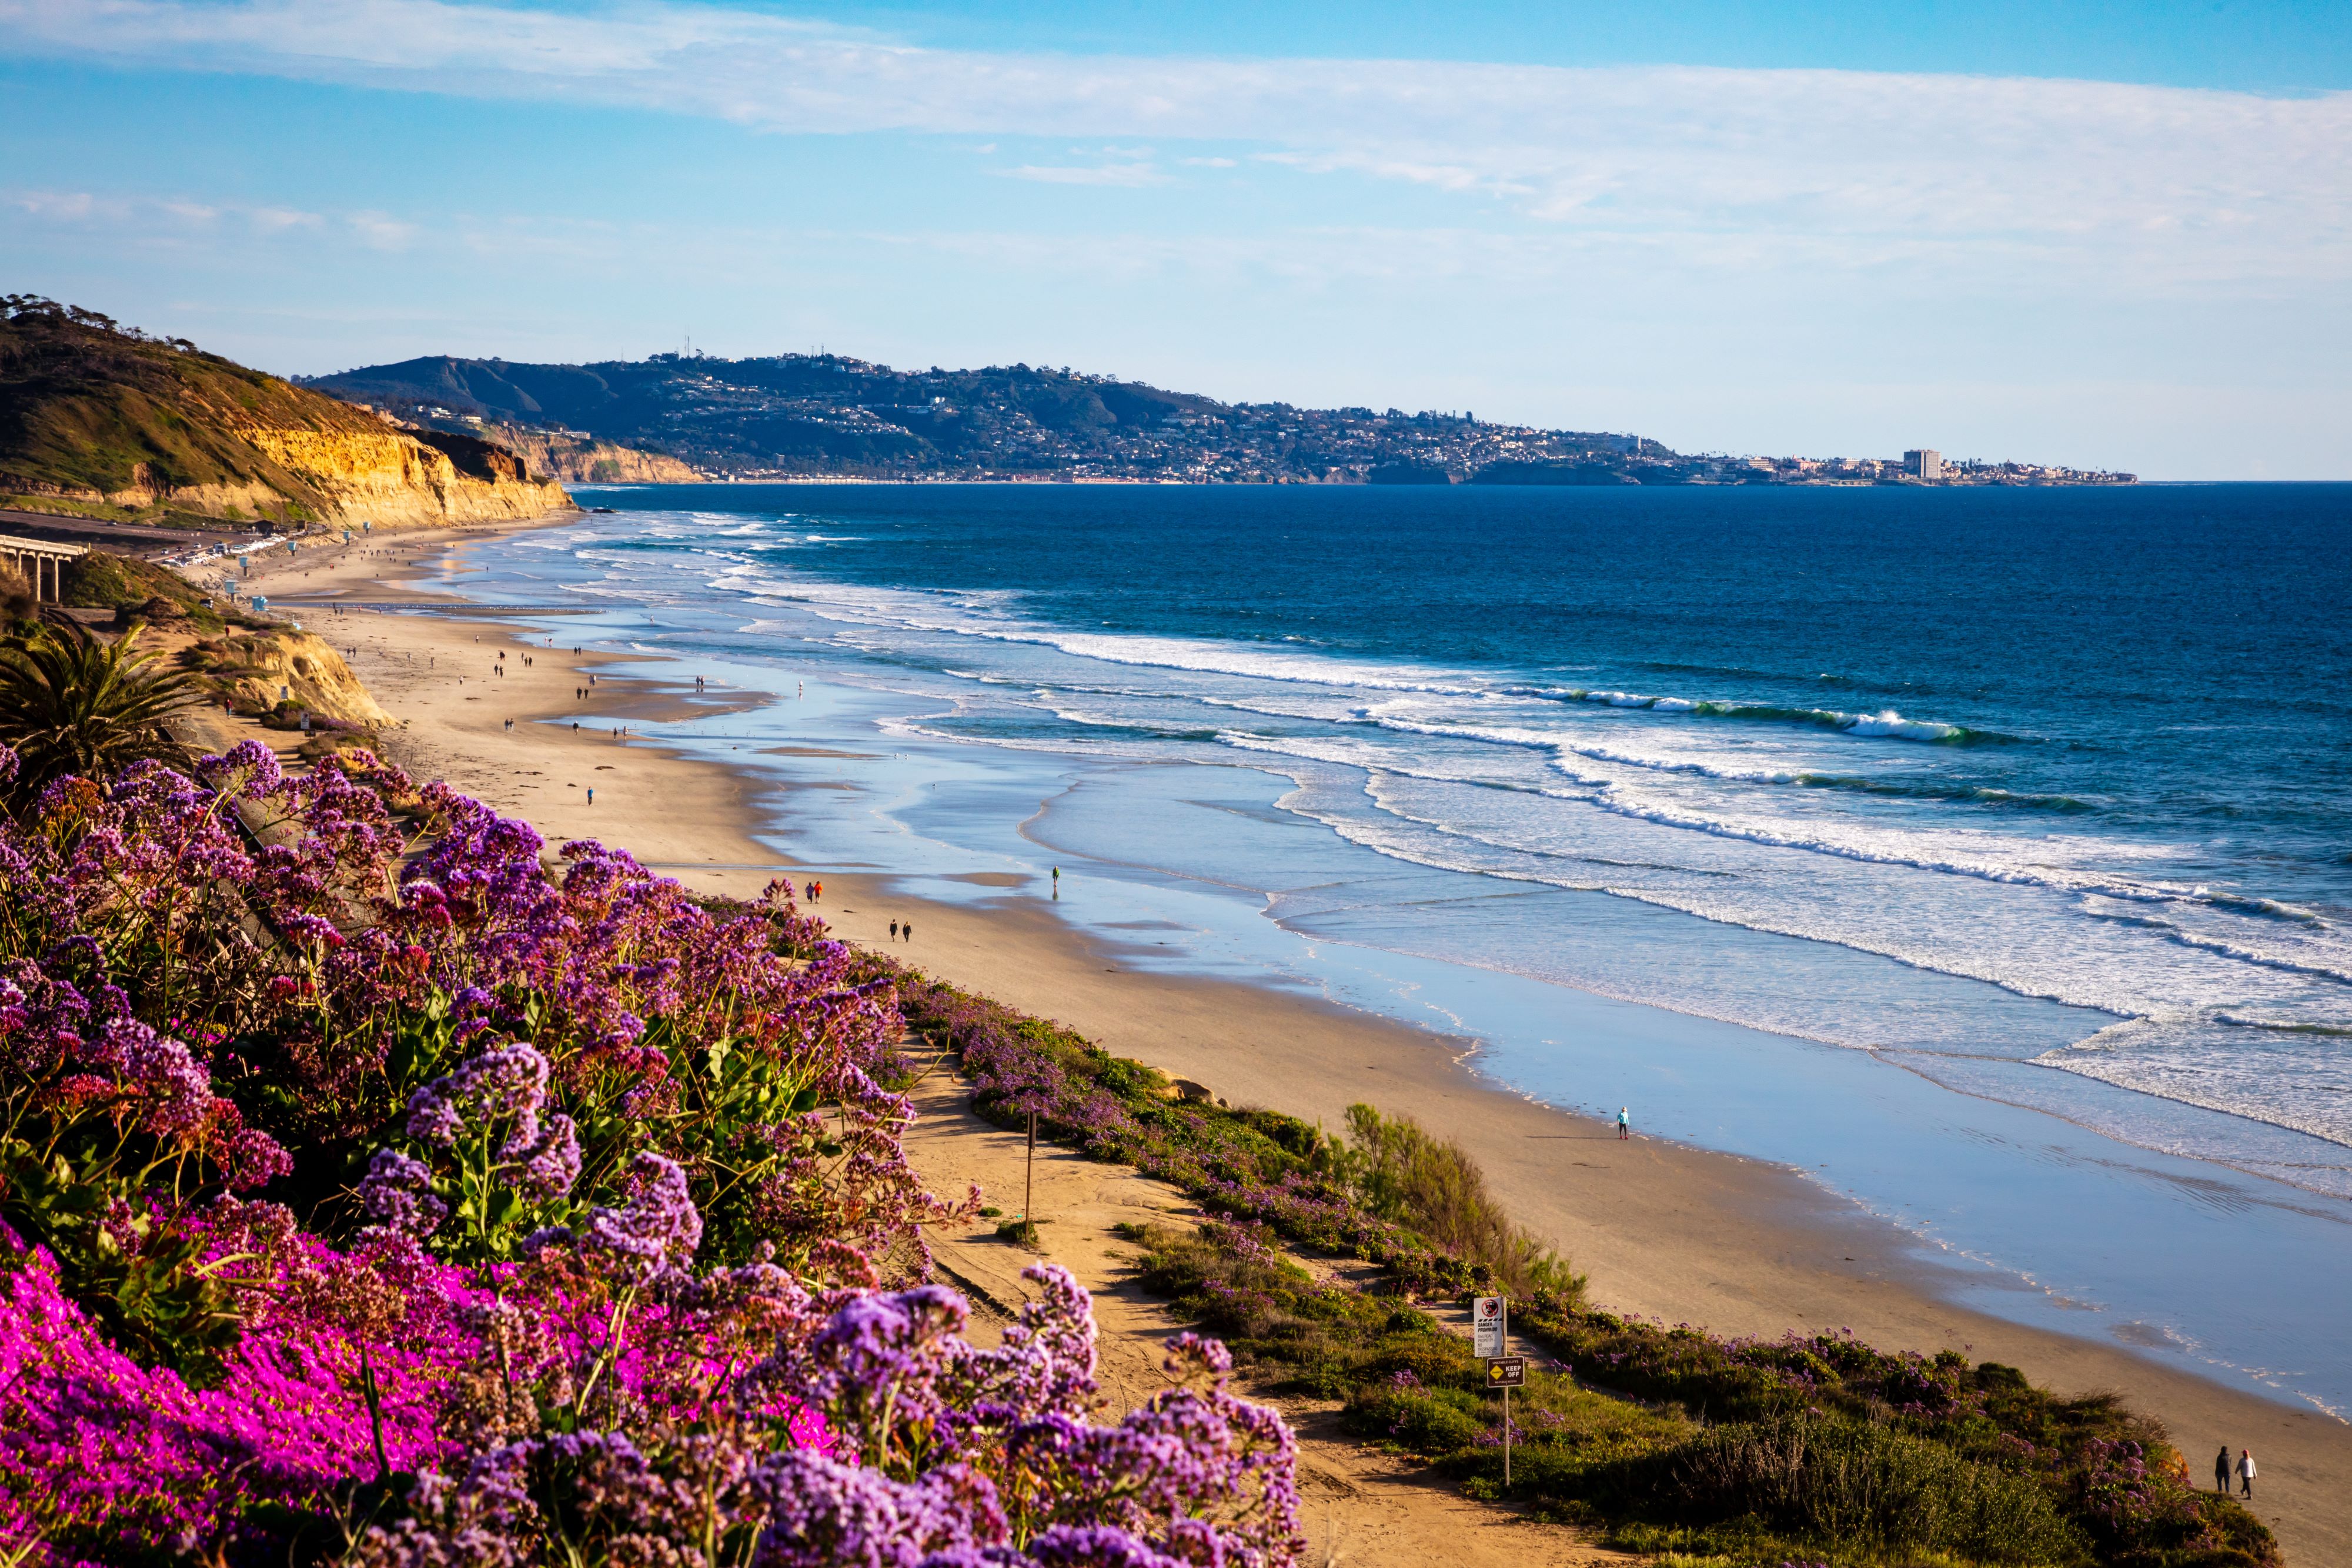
(2042, 798)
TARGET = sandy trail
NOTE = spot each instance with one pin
(1360, 1505)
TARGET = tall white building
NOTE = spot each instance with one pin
(1924, 463)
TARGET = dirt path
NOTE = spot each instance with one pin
(1361, 1506)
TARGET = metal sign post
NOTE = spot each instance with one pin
(1490, 1340)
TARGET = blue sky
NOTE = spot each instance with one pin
(2110, 234)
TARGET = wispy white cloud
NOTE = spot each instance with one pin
(2189, 182)
(381, 231)
(1127, 174)
(158, 218)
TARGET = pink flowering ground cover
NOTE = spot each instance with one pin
(370, 1193)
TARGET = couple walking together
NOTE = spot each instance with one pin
(2245, 1471)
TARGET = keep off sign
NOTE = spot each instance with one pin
(1486, 1328)
(1507, 1372)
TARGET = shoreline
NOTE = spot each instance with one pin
(1742, 1245)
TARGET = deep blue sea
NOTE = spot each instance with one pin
(2044, 795)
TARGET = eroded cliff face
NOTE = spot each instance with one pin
(253, 670)
(340, 477)
(94, 412)
(592, 462)
(391, 477)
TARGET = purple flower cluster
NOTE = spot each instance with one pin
(105, 1086)
(396, 1195)
(699, 1360)
(658, 1230)
(904, 1444)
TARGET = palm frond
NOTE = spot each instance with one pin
(87, 707)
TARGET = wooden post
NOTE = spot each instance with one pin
(1029, 1182)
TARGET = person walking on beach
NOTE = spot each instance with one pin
(1057, 881)
(894, 931)
(908, 931)
(2245, 1472)
(1624, 1124)
(2222, 1470)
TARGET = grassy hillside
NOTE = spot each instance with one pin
(87, 406)
(106, 420)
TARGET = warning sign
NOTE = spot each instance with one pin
(1507, 1372)
(1486, 1327)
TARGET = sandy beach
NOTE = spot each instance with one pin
(1686, 1235)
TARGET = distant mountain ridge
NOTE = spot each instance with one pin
(819, 415)
(101, 419)
(801, 414)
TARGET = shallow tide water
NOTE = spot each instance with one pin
(1986, 856)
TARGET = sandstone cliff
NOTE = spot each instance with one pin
(391, 476)
(588, 461)
(156, 428)
(252, 672)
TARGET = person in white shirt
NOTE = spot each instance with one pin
(2245, 1472)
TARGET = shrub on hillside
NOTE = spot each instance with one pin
(1847, 1487)
(101, 580)
(1403, 1172)
(1251, 1165)
(1825, 1449)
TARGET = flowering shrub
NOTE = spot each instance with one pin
(101, 1111)
(369, 1193)
(98, 1452)
(506, 1162)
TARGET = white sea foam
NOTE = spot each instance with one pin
(2082, 919)
(924, 613)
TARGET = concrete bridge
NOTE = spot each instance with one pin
(42, 563)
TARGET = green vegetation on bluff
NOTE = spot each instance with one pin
(89, 406)
(1714, 1452)
(104, 420)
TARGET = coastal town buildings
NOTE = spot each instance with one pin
(795, 416)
